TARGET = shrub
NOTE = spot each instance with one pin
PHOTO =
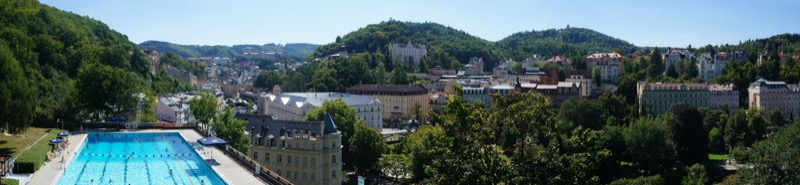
(32, 159)
(10, 181)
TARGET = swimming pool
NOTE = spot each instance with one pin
(137, 158)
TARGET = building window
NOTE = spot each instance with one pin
(295, 175)
(280, 158)
(333, 174)
(289, 160)
(297, 160)
(313, 176)
(333, 145)
(266, 157)
(333, 159)
(313, 162)
(288, 174)
(255, 155)
(305, 163)
(304, 176)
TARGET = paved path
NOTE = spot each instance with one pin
(228, 169)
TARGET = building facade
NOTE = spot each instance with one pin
(303, 152)
(723, 95)
(399, 101)
(774, 95)
(658, 98)
(295, 106)
(610, 65)
(406, 51)
(474, 67)
(675, 55)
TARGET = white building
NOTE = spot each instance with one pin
(174, 109)
(610, 65)
(474, 67)
(674, 55)
(295, 105)
(583, 78)
(775, 95)
(406, 51)
(533, 61)
(723, 94)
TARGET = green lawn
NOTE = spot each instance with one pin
(718, 157)
(16, 144)
(10, 181)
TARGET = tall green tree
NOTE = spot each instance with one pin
(696, 175)
(649, 145)
(230, 129)
(582, 112)
(105, 91)
(773, 160)
(204, 108)
(423, 146)
(345, 118)
(16, 95)
(691, 139)
(596, 79)
(366, 147)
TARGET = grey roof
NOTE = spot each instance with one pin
(316, 99)
(766, 83)
(330, 126)
(266, 126)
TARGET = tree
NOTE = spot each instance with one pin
(649, 145)
(735, 129)
(691, 139)
(105, 90)
(696, 175)
(345, 118)
(423, 147)
(16, 95)
(775, 118)
(146, 113)
(596, 77)
(773, 160)
(716, 141)
(672, 72)
(366, 147)
(582, 112)
(651, 180)
(230, 129)
(396, 166)
(270, 79)
(399, 76)
(204, 108)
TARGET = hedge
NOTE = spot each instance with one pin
(32, 159)
(10, 181)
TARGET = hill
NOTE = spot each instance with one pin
(53, 60)
(297, 50)
(444, 43)
(568, 42)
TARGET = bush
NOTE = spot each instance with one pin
(651, 180)
(10, 181)
(32, 159)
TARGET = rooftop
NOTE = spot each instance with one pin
(300, 99)
(376, 88)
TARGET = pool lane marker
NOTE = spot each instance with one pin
(176, 159)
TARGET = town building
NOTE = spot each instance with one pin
(295, 105)
(533, 61)
(408, 52)
(557, 93)
(174, 108)
(775, 95)
(723, 95)
(707, 67)
(610, 65)
(560, 61)
(474, 67)
(675, 55)
(584, 80)
(272, 55)
(658, 98)
(399, 101)
(303, 152)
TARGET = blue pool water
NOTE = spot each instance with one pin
(137, 158)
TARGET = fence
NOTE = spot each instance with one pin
(250, 164)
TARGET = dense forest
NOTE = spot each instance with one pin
(295, 50)
(445, 44)
(568, 42)
(59, 65)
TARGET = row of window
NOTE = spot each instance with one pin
(294, 176)
(296, 159)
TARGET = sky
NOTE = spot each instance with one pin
(674, 23)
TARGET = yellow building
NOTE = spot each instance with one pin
(399, 101)
(303, 152)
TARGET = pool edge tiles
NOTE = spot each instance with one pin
(137, 158)
(220, 175)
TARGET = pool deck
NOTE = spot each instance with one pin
(228, 169)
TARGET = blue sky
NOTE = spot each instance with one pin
(676, 23)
